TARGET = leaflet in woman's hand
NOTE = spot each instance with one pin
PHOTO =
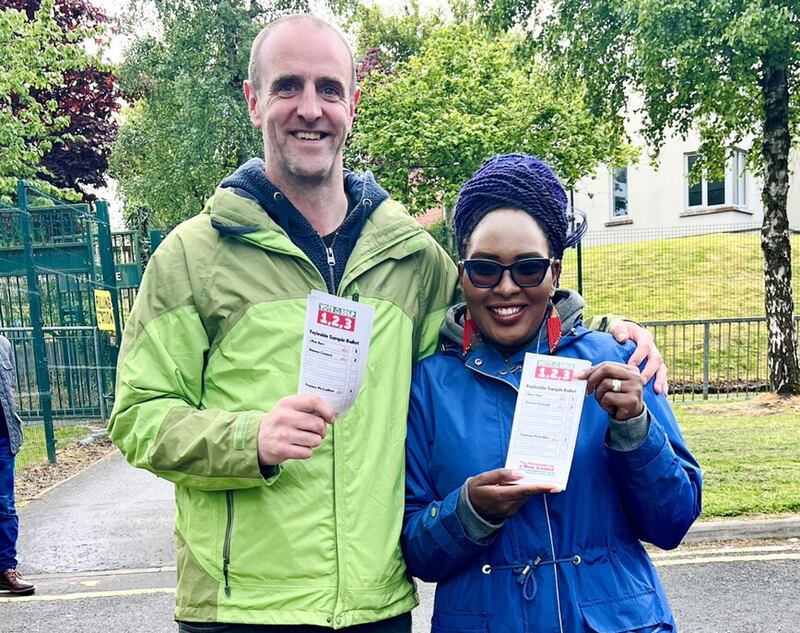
(546, 419)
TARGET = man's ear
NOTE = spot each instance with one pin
(353, 103)
(251, 97)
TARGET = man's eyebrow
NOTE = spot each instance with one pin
(330, 80)
(281, 78)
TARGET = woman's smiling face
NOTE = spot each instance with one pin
(508, 315)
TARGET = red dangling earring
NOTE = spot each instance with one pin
(470, 330)
(553, 329)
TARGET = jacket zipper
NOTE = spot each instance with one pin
(331, 262)
(226, 548)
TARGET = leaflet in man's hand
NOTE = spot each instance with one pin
(546, 419)
(335, 348)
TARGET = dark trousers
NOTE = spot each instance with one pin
(399, 624)
(9, 522)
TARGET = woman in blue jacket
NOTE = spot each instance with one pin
(530, 558)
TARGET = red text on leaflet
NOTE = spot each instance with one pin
(338, 321)
(554, 373)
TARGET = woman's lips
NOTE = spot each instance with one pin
(506, 315)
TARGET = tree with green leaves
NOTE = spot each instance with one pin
(36, 53)
(386, 39)
(729, 69)
(425, 127)
(87, 96)
(186, 126)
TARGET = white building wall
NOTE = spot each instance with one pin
(657, 199)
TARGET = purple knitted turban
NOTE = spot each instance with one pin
(516, 181)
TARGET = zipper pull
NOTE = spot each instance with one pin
(329, 253)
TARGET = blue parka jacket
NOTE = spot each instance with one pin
(567, 562)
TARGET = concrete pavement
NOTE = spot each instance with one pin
(101, 542)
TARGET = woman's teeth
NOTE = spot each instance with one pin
(507, 311)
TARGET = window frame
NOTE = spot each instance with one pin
(612, 178)
(734, 182)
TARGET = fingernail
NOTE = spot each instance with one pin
(517, 474)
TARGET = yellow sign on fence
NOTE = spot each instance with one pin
(104, 310)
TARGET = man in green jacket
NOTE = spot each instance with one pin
(284, 516)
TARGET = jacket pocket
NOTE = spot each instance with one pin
(458, 623)
(226, 544)
(639, 613)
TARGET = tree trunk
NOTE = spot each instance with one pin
(784, 376)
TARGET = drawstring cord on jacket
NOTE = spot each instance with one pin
(524, 572)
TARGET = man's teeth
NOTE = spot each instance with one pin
(507, 311)
(308, 136)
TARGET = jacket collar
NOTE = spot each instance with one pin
(487, 360)
(388, 232)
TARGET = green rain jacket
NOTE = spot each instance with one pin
(212, 344)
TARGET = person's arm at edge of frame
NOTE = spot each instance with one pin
(434, 540)
(659, 480)
(157, 422)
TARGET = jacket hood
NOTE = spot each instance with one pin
(568, 303)
(250, 182)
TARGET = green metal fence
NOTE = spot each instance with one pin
(80, 383)
(54, 256)
(714, 358)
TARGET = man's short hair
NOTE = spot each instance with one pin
(254, 66)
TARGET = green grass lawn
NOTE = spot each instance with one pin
(707, 276)
(34, 449)
(749, 453)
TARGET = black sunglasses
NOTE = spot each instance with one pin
(526, 273)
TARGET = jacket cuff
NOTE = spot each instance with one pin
(475, 526)
(628, 435)
(270, 473)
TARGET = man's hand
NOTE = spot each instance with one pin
(623, 330)
(293, 428)
(495, 497)
(617, 388)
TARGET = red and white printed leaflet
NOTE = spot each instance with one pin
(335, 348)
(546, 419)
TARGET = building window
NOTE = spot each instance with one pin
(739, 169)
(619, 192)
(732, 190)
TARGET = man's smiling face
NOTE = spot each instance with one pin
(305, 103)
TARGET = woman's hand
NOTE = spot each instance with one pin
(495, 497)
(617, 388)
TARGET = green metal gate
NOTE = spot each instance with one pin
(53, 257)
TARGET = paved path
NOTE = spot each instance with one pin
(99, 547)
(110, 516)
